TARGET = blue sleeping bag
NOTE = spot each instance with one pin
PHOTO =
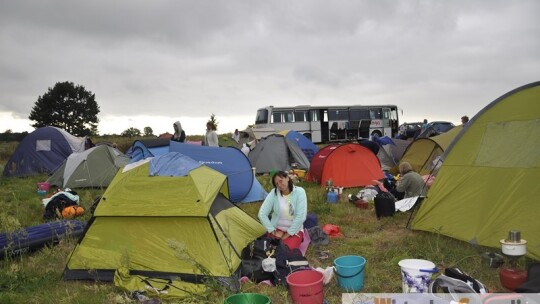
(36, 237)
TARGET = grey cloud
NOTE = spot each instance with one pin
(232, 57)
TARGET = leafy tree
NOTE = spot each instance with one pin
(213, 121)
(131, 132)
(69, 107)
(148, 131)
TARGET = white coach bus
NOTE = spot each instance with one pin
(324, 124)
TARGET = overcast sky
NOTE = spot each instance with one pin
(150, 63)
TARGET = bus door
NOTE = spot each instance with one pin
(325, 131)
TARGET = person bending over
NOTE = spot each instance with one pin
(410, 182)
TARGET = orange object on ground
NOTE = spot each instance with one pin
(72, 211)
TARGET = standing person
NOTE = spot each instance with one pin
(179, 134)
(410, 183)
(211, 138)
(464, 119)
(402, 133)
(287, 205)
(236, 136)
(424, 124)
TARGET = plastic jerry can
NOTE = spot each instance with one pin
(331, 197)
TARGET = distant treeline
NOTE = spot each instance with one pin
(13, 136)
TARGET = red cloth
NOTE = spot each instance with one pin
(332, 230)
(293, 241)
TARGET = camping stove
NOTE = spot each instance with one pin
(513, 247)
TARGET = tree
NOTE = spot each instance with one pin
(69, 107)
(131, 132)
(213, 121)
(148, 131)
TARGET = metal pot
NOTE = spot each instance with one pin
(514, 248)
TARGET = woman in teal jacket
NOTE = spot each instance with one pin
(284, 211)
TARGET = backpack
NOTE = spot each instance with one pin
(384, 204)
(253, 255)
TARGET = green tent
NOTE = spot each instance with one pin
(422, 152)
(488, 183)
(181, 228)
(95, 167)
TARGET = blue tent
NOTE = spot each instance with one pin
(172, 164)
(306, 145)
(141, 149)
(229, 161)
(42, 151)
(256, 193)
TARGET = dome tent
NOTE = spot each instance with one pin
(276, 152)
(243, 186)
(148, 214)
(95, 167)
(347, 165)
(305, 144)
(42, 151)
(488, 182)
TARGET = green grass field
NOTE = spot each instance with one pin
(36, 277)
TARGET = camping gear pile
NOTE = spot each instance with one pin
(62, 204)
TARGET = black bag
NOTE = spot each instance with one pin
(384, 204)
(287, 262)
(253, 255)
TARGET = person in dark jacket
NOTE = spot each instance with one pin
(179, 134)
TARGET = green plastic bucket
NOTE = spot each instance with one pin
(349, 270)
(248, 298)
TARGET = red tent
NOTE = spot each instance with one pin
(347, 165)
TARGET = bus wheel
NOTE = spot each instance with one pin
(307, 135)
(376, 133)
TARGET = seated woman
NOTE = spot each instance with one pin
(410, 183)
(284, 211)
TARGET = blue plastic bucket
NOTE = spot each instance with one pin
(349, 270)
(331, 197)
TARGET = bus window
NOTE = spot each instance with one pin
(315, 115)
(276, 117)
(375, 113)
(338, 115)
(300, 115)
(359, 114)
(386, 113)
(262, 116)
(288, 116)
